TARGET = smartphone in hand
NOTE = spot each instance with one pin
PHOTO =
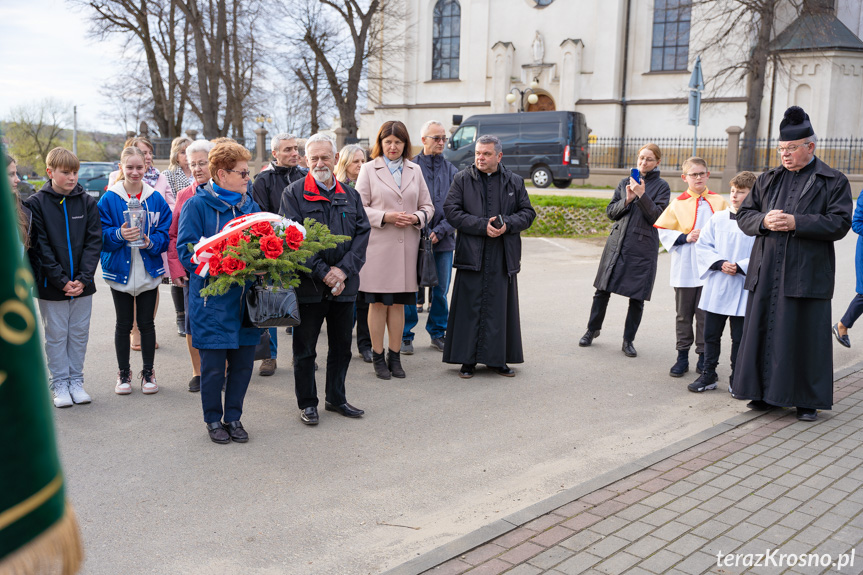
(635, 175)
(497, 223)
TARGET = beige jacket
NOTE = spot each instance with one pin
(391, 257)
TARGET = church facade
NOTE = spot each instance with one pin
(625, 64)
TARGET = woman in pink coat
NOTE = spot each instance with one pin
(398, 204)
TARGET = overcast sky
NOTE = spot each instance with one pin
(45, 52)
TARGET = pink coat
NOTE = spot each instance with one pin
(391, 257)
(175, 268)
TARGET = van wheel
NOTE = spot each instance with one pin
(541, 177)
(562, 184)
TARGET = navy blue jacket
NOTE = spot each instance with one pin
(344, 214)
(439, 174)
(217, 321)
(66, 238)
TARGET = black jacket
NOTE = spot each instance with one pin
(465, 211)
(628, 264)
(438, 174)
(344, 214)
(822, 216)
(270, 184)
(66, 240)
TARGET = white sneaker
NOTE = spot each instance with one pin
(76, 390)
(60, 391)
(124, 382)
(148, 382)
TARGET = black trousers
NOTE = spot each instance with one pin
(339, 316)
(236, 379)
(364, 338)
(633, 314)
(714, 325)
(855, 308)
(686, 301)
(125, 305)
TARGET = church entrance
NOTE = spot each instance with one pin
(544, 104)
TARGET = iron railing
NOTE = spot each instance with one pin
(613, 152)
(843, 154)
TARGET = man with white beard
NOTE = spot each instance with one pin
(329, 291)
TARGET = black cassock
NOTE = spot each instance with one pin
(484, 325)
(786, 352)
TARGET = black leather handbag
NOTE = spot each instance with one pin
(426, 268)
(266, 307)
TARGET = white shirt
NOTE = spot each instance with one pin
(722, 239)
(684, 266)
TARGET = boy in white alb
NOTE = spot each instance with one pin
(679, 227)
(723, 253)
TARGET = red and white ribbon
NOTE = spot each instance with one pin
(206, 247)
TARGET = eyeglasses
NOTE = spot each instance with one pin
(312, 160)
(438, 138)
(790, 149)
(243, 173)
(698, 175)
(197, 164)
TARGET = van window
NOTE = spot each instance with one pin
(465, 135)
(545, 132)
(504, 132)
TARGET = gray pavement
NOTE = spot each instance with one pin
(435, 457)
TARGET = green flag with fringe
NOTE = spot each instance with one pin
(38, 531)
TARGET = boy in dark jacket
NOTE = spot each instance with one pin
(65, 249)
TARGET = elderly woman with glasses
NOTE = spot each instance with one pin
(217, 321)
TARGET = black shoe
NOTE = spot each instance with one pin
(842, 339)
(629, 349)
(759, 405)
(236, 431)
(806, 414)
(704, 382)
(218, 433)
(505, 371)
(394, 363)
(699, 367)
(438, 343)
(588, 338)
(381, 369)
(466, 371)
(367, 355)
(345, 409)
(181, 324)
(309, 415)
(681, 366)
(195, 384)
(407, 347)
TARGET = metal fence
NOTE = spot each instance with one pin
(844, 154)
(162, 146)
(623, 152)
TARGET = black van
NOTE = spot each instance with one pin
(545, 147)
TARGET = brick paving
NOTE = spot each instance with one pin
(770, 483)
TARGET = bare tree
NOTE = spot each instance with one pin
(311, 79)
(35, 129)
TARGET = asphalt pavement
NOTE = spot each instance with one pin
(434, 458)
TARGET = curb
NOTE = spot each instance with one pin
(499, 527)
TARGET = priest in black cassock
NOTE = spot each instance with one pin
(795, 212)
(489, 207)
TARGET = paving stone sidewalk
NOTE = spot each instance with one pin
(770, 483)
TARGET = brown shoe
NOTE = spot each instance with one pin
(268, 367)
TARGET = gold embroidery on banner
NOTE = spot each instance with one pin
(23, 283)
(11, 334)
(30, 504)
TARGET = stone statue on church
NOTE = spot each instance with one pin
(538, 47)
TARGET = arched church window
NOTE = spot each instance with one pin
(446, 37)
(671, 21)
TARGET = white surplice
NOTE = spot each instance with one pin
(721, 239)
(684, 265)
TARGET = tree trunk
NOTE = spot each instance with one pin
(755, 83)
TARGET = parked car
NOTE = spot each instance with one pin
(93, 176)
(544, 147)
(25, 189)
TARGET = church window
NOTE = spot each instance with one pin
(670, 49)
(446, 36)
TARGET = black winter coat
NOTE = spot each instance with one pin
(344, 215)
(822, 216)
(628, 264)
(65, 240)
(466, 212)
(270, 185)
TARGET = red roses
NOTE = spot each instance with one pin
(293, 237)
(271, 245)
(263, 229)
(231, 265)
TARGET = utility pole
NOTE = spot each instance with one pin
(75, 130)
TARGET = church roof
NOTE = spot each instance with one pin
(816, 32)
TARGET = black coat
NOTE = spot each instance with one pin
(438, 174)
(344, 215)
(466, 212)
(270, 184)
(628, 264)
(65, 240)
(822, 216)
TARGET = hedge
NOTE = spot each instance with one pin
(569, 216)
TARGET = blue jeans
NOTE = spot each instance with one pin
(274, 343)
(436, 323)
(240, 362)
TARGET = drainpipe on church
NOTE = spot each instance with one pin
(621, 155)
